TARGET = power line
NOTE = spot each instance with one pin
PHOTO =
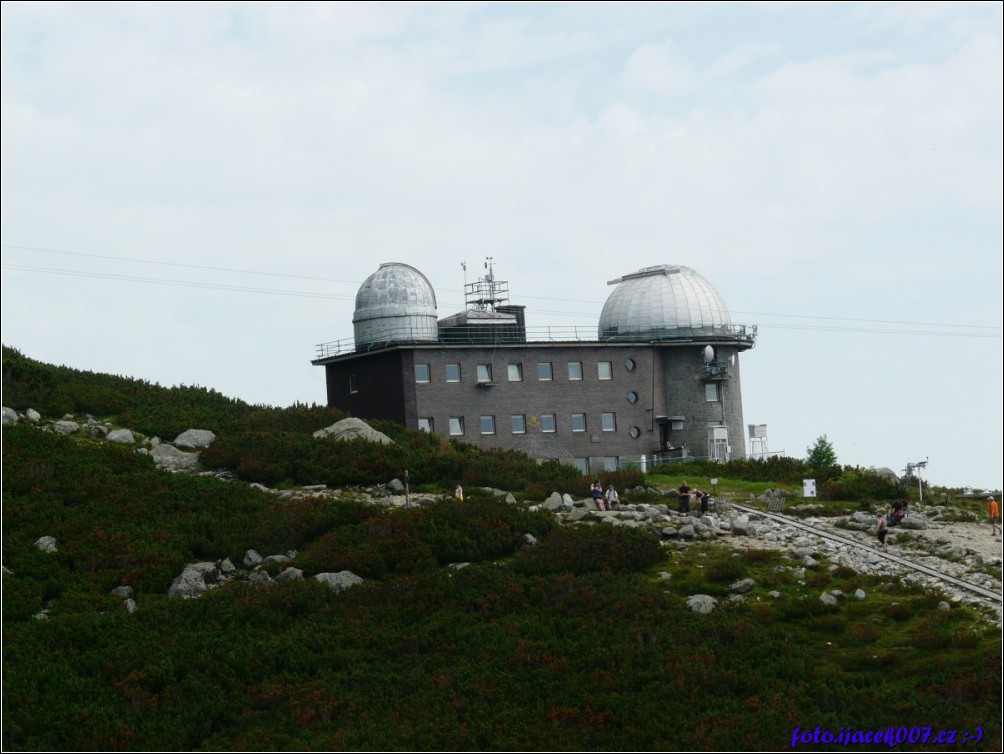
(179, 264)
(879, 321)
(178, 283)
(592, 315)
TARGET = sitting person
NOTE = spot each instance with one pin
(596, 491)
(896, 515)
(613, 501)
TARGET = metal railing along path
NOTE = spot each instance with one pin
(918, 567)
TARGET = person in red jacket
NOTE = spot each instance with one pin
(995, 515)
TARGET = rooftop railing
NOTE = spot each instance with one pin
(501, 334)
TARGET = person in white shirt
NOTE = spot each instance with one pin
(613, 501)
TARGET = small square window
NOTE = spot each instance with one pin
(609, 420)
(610, 463)
(515, 373)
(544, 371)
(422, 373)
(452, 372)
(605, 370)
(676, 425)
(518, 424)
(711, 391)
(575, 370)
(484, 372)
(425, 423)
(578, 422)
(456, 425)
(488, 425)
(548, 423)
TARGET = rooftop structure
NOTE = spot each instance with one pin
(394, 304)
(658, 378)
(662, 302)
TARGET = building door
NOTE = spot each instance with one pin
(718, 444)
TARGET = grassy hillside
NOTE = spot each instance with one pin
(575, 643)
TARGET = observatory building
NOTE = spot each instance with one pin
(657, 380)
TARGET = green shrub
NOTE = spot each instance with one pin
(859, 484)
(898, 611)
(726, 570)
(831, 624)
(590, 549)
(862, 633)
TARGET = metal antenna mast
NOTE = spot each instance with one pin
(918, 466)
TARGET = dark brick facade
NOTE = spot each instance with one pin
(662, 398)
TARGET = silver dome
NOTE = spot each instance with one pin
(395, 303)
(663, 302)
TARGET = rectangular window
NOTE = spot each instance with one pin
(425, 424)
(610, 463)
(582, 464)
(484, 372)
(422, 373)
(456, 425)
(353, 383)
(578, 422)
(544, 371)
(676, 424)
(515, 373)
(488, 425)
(453, 372)
(711, 391)
(609, 419)
(605, 370)
(575, 370)
(518, 424)
(548, 423)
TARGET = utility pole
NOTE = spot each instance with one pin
(918, 466)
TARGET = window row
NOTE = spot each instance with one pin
(514, 371)
(518, 424)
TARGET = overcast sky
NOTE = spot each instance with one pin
(193, 193)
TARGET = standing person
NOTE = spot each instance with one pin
(995, 515)
(596, 490)
(881, 530)
(684, 497)
(613, 500)
(702, 499)
(459, 493)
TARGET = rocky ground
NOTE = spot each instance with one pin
(964, 550)
(978, 538)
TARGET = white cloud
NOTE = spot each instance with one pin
(656, 69)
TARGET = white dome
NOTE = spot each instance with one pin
(663, 302)
(395, 303)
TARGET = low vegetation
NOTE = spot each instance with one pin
(578, 642)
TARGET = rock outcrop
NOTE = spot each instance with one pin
(194, 438)
(339, 581)
(169, 458)
(353, 429)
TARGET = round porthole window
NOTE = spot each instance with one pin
(632, 397)
(629, 365)
(635, 433)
